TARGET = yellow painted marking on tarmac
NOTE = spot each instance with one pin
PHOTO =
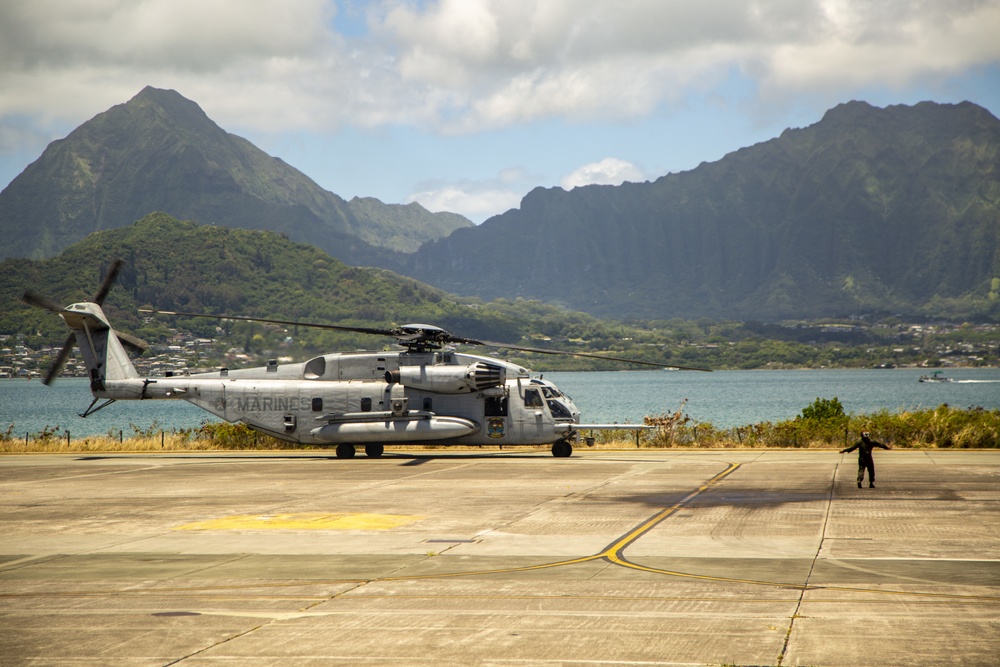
(304, 521)
(611, 553)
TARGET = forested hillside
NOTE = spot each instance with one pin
(174, 265)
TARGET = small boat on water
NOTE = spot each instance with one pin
(934, 377)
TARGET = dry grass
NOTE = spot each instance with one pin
(169, 442)
(941, 428)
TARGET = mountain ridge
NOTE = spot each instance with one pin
(867, 210)
(160, 152)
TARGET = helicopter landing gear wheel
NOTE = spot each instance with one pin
(374, 451)
(345, 451)
(562, 449)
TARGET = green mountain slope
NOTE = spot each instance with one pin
(160, 152)
(869, 210)
(174, 265)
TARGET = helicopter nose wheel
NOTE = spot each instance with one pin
(345, 451)
(562, 449)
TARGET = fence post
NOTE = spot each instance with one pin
(67, 439)
(121, 437)
(161, 438)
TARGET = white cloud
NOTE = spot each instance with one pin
(174, 34)
(465, 65)
(474, 203)
(609, 171)
(890, 44)
(476, 200)
(461, 65)
(510, 61)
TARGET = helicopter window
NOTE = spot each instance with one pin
(366, 404)
(559, 410)
(532, 399)
(550, 392)
(428, 404)
(496, 406)
(317, 404)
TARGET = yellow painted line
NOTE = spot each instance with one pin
(304, 521)
(614, 552)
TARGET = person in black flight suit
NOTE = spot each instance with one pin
(865, 460)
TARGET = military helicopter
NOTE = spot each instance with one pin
(425, 393)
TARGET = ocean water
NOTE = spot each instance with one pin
(735, 398)
(724, 398)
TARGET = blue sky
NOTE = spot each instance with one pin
(467, 105)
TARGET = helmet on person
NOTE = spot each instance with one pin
(865, 434)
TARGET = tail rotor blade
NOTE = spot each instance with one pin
(60, 361)
(109, 280)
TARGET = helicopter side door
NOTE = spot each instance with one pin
(532, 416)
(496, 417)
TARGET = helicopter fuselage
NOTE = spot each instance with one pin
(424, 397)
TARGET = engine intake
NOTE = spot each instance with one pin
(449, 379)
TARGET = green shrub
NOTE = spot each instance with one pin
(226, 435)
(823, 409)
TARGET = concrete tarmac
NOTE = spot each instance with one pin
(637, 557)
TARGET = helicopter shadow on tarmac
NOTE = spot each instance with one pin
(746, 498)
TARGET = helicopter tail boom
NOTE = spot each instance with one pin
(102, 351)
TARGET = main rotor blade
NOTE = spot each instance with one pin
(60, 361)
(335, 327)
(427, 333)
(109, 280)
(588, 355)
(41, 301)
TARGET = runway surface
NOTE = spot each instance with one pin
(636, 557)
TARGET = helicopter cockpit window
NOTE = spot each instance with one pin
(550, 392)
(366, 404)
(532, 399)
(558, 410)
(496, 406)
